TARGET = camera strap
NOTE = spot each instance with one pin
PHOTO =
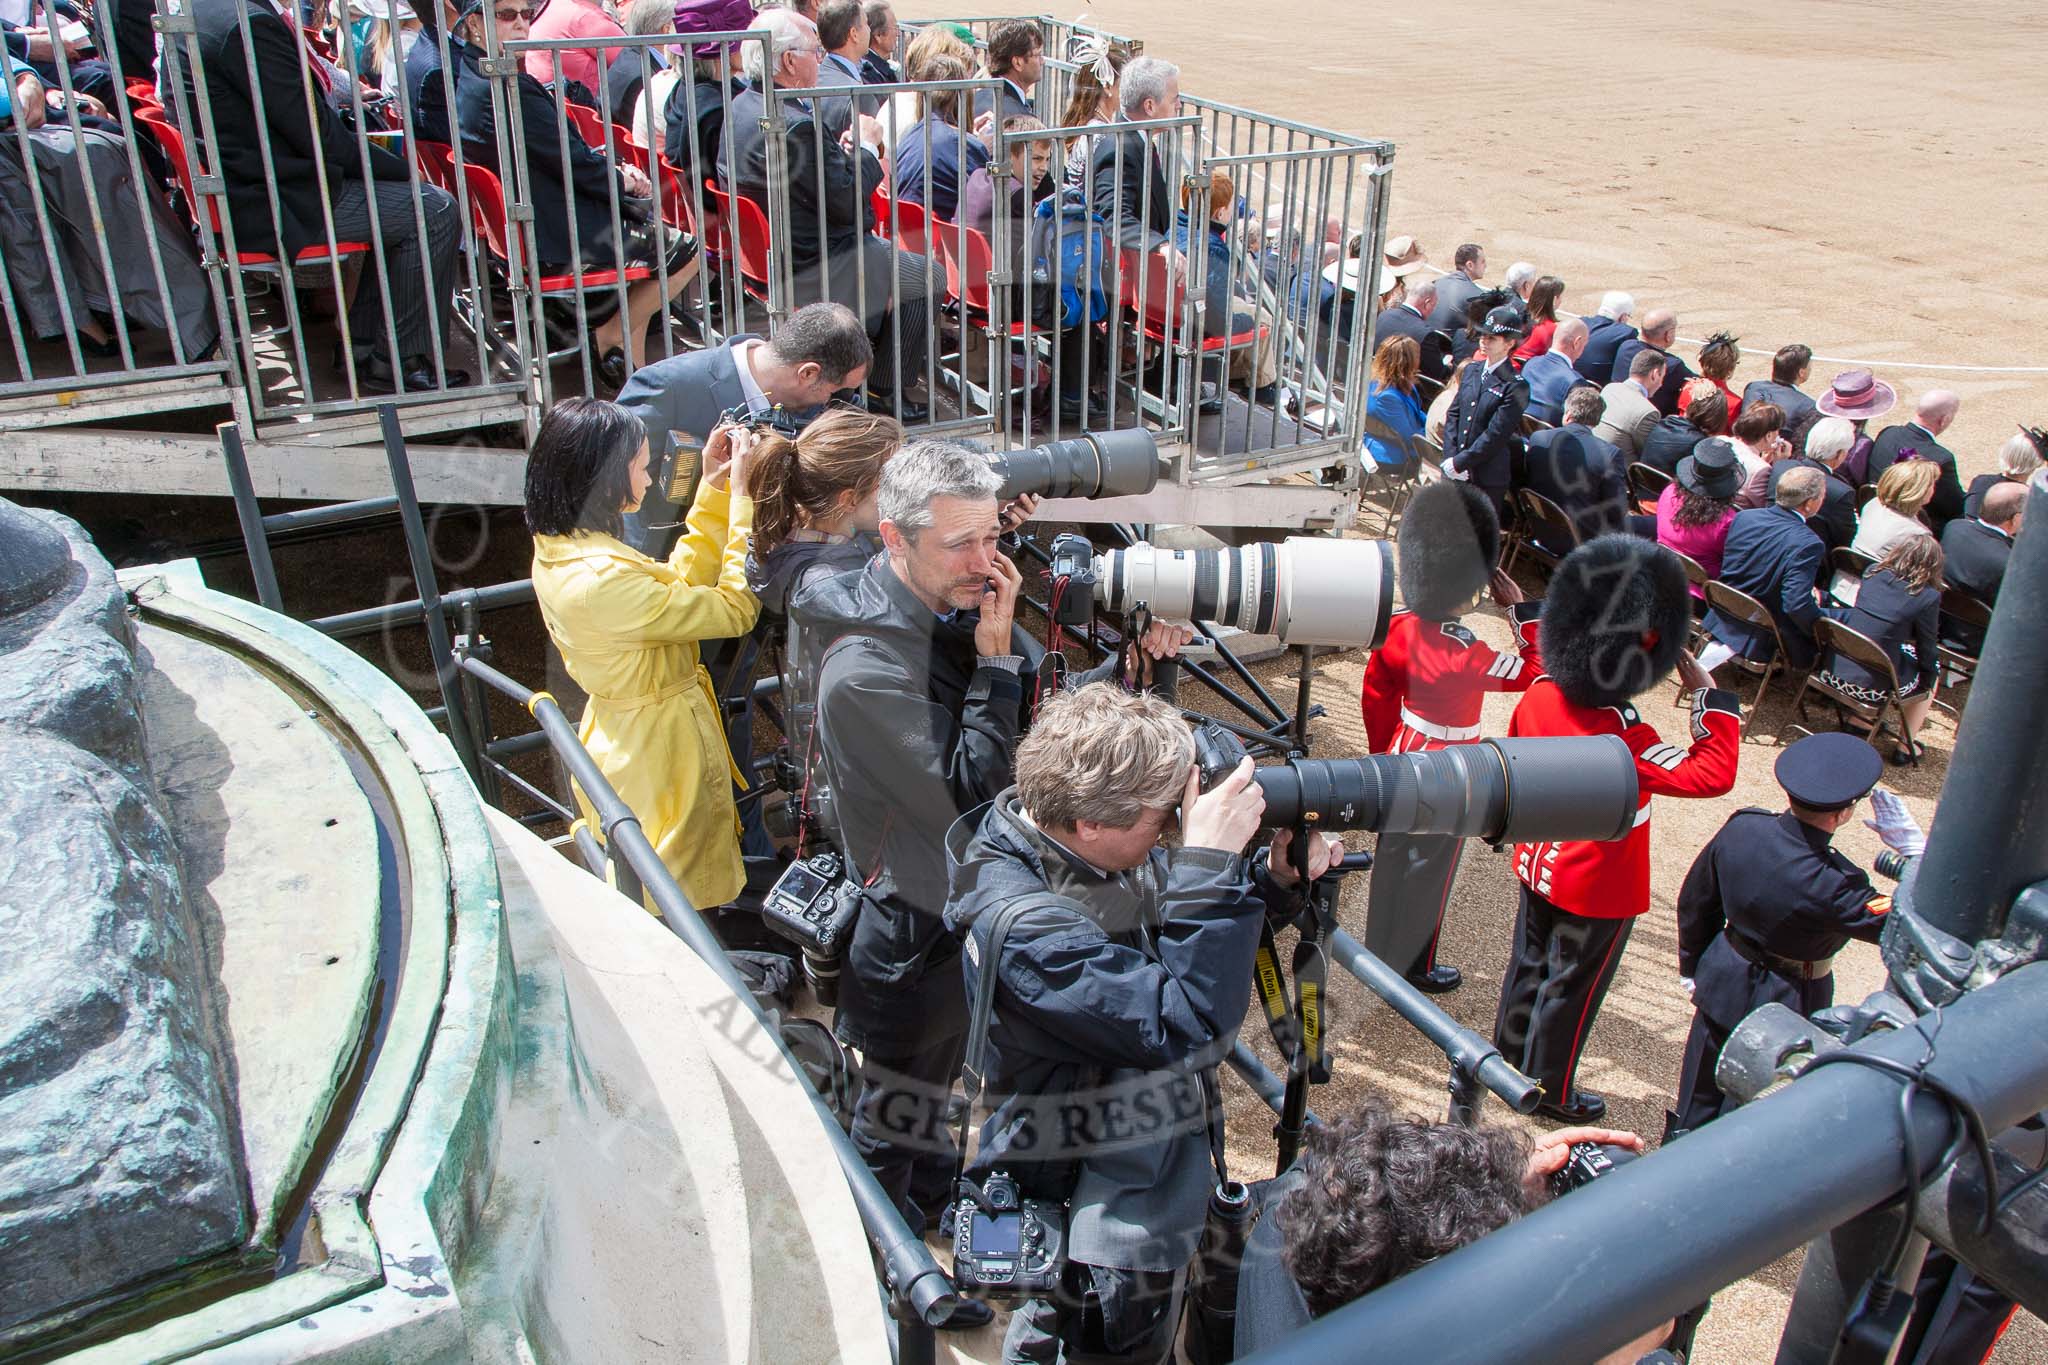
(979, 1011)
(1298, 1020)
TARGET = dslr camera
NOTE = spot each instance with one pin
(1006, 1247)
(1588, 1162)
(813, 904)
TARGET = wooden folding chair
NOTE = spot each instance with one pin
(1972, 614)
(1545, 527)
(1738, 605)
(1397, 481)
(1646, 483)
(1836, 639)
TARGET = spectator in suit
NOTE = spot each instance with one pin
(1410, 318)
(1894, 514)
(1520, 280)
(1827, 444)
(572, 198)
(833, 254)
(1660, 329)
(877, 68)
(425, 85)
(1605, 331)
(1694, 513)
(1934, 414)
(1674, 437)
(1759, 444)
(1861, 398)
(1128, 173)
(1976, 549)
(1898, 607)
(1789, 369)
(321, 179)
(1029, 163)
(573, 19)
(1772, 555)
(1016, 57)
(1392, 401)
(1542, 310)
(1551, 375)
(1578, 471)
(1484, 430)
(2018, 458)
(935, 155)
(843, 33)
(1630, 413)
(1457, 289)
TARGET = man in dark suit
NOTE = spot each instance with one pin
(832, 254)
(1660, 329)
(1016, 57)
(1605, 331)
(1789, 369)
(1410, 318)
(1974, 552)
(1934, 414)
(1552, 375)
(1456, 289)
(1826, 447)
(425, 85)
(876, 68)
(283, 96)
(1483, 432)
(1581, 473)
(843, 33)
(1773, 556)
(1129, 179)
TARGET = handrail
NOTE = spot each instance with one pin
(911, 1272)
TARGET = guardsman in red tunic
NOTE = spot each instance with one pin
(1424, 689)
(1614, 626)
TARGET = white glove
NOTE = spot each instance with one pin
(1895, 824)
(1689, 984)
(1451, 471)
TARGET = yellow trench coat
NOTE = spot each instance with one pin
(628, 627)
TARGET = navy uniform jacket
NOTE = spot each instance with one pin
(1947, 502)
(1483, 432)
(1115, 994)
(1779, 885)
(1676, 372)
(1772, 555)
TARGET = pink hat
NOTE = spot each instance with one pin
(1857, 395)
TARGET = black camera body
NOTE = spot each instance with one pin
(1217, 753)
(1005, 1246)
(1074, 581)
(814, 904)
(1587, 1162)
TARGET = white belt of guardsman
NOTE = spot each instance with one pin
(1447, 733)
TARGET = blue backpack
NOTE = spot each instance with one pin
(1066, 237)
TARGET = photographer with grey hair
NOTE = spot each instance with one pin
(920, 702)
(1120, 971)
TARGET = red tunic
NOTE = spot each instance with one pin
(1611, 880)
(1424, 687)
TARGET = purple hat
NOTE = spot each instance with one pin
(1857, 395)
(712, 16)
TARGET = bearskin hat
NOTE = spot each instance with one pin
(1450, 542)
(1615, 620)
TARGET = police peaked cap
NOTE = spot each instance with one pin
(1615, 620)
(1450, 541)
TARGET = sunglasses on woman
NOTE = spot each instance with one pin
(506, 16)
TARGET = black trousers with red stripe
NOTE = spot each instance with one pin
(1562, 967)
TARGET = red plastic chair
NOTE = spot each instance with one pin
(487, 206)
(436, 162)
(967, 275)
(910, 228)
(263, 262)
(745, 232)
(1155, 294)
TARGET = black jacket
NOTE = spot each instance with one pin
(279, 78)
(1773, 556)
(1836, 524)
(554, 183)
(1581, 473)
(1973, 498)
(1435, 346)
(1893, 617)
(1117, 991)
(1604, 337)
(1974, 556)
(1483, 432)
(1676, 372)
(1130, 193)
(1670, 441)
(816, 228)
(694, 120)
(425, 87)
(1947, 503)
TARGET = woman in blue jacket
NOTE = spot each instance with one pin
(1393, 404)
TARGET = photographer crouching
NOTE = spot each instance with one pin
(1121, 972)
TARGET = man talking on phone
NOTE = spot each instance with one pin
(920, 703)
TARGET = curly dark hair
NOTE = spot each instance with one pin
(1698, 509)
(1385, 1194)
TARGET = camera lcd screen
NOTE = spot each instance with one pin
(801, 884)
(998, 1236)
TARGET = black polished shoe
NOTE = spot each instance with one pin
(612, 369)
(373, 375)
(1581, 1106)
(913, 411)
(968, 1314)
(1438, 980)
(1212, 399)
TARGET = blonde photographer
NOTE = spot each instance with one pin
(628, 627)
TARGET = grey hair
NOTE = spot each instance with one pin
(924, 471)
(1102, 754)
(1418, 292)
(1520, 273)
(1146, 78)
(1617, 304)
(1829, 439)
(2017, 458)
(1800, 485)
(649, 16)
(789, 30)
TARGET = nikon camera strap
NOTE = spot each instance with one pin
(1299, 1022)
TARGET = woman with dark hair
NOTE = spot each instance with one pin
(1391, 400)
(628, 627)
(1543, 296)
(1693, 513)
(1092, 97)
(1718, 359)
(1898, 605)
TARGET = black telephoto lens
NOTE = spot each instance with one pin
(1104, 464)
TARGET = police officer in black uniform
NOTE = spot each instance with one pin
(1483, 431)
(1769, 903)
